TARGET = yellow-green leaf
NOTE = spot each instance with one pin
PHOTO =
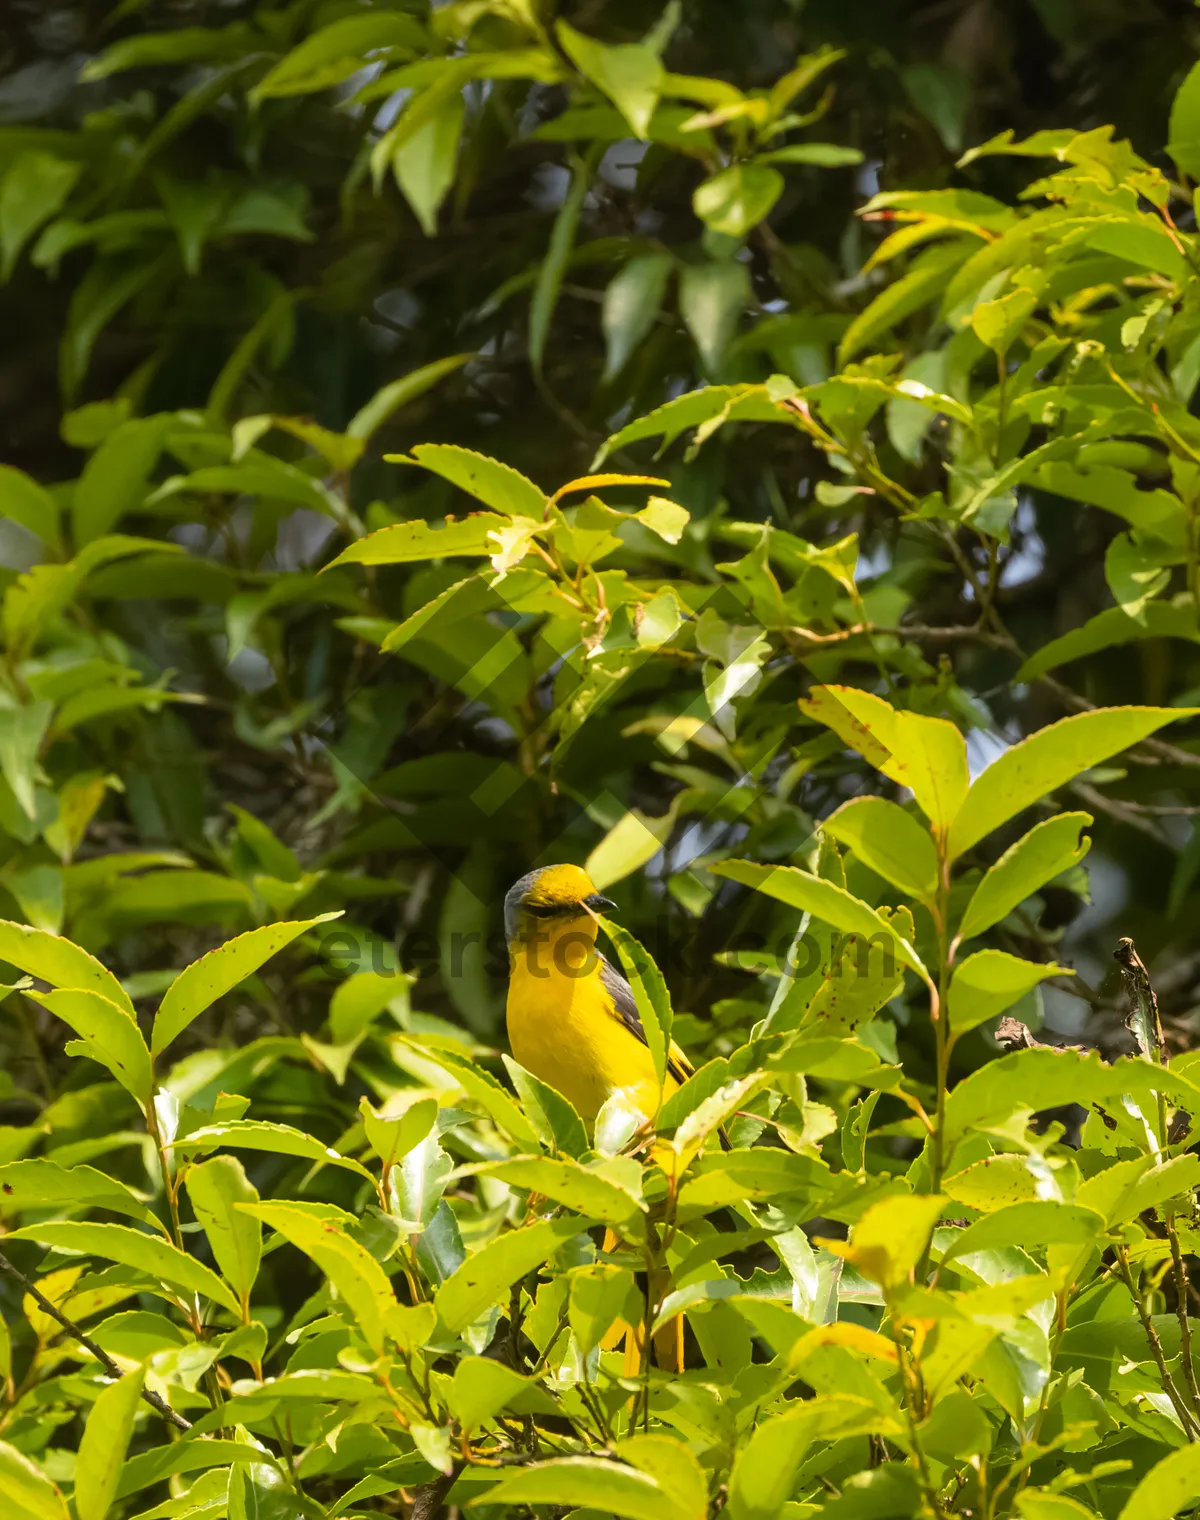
(1049, 759)
(484, 1278)
(133, 1248)
(353, 1271)
(199, 985)
(105, 1441)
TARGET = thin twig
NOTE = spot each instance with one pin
(1155, 810)
(1118, 810)
(1159, 748)
(1186, 1418)
(85, 1340)
(1181, 1309)
(921, 633)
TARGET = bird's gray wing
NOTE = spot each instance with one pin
(626, 1006)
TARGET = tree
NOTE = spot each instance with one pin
(489, 437)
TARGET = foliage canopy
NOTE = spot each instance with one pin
(662, 442)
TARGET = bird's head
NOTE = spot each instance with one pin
(552, 894)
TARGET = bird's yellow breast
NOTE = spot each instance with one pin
(563, 1027)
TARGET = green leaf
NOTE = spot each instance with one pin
(943, 96)
(1143, 242)
(556, 1122)
(107, 1034)
(484, 1278)
(720, 1179)
(392, 1138)
(399, 393)
(105, 1441)
(831, 904)
(25, 1489)
(411, 1325)
(190, 1454)
(41, 1183)
(1114, 490)
(666, 518)
(497, 485)
(1049, 849)
(109, 284)
(649, 992)
(186, 44)
(402, 543)
(632, 301)
(630, 74)
(927, 755)
(133, 1248)
(360, 999)
(1183, 131)
(53, 959)
(997, 323)
(262, 1135)
(39, 891)
(988, 982)
(215, 1188)
(266, 477)
(599, 1295)
(591, 1483)
(116, 478)
(260, 1491)
(199, 985)
(487, 1092)
(1038, 1505)
(1125, 1189)
(41, 595)
(1167, 1489)
(1040, 1222)
(712, 298)
(22, 730)
(26, 502)
(567, 1182)
(859, 978)
(1047, 760)
(481, 1389)
(359, 1279)
(888, 840)
(705, 408)
(993, 1183)
(738, 198)
(924, 282)
(890, 1238)
(424, 162)
(34, 188)
(554, 265)
(334, 52)
(1136, 570)
(1030, 1080)
(1113, 626)
(673, 1467)
(765, 1468)
(823, 155)
(139, 1334)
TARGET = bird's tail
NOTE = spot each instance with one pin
(668, 1340)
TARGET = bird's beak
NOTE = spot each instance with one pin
(599, 904)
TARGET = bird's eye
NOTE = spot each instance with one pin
(547, 910)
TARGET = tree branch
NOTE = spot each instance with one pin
(76, 1334)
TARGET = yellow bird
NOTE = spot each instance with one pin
(573, 1022)
(572, 1018)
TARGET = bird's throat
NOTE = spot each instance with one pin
(563, 946)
